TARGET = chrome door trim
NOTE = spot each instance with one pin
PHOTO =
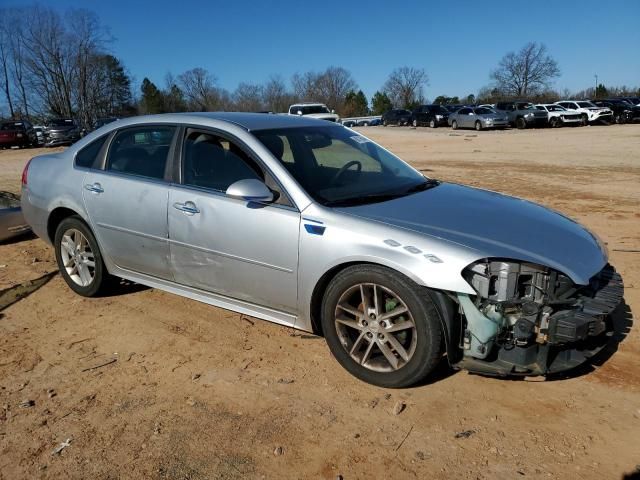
(132, 232)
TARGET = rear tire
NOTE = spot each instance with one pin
(454, 125)
(385, 123)
(393, 351)
(415, 122)
(585, 120)
(432, 123)
(79, 258)
(521, 123)
(554, 122)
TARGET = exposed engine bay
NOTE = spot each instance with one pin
(527, 319)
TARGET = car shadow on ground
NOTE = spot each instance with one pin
(120, 286)
(23, 237)
(622, 321)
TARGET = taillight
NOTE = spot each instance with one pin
(25, 173)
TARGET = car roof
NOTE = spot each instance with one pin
(245, 120)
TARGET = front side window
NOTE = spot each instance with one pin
(464, 111)
(586, 104)
(87, 156)
(484, 111)
(141, 151)
(210, 161)
(337, 167)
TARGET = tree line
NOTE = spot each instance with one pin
(59, 65)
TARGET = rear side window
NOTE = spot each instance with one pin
(86, 157)
(141, 151)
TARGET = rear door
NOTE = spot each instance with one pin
(244, 250)
(127, 199)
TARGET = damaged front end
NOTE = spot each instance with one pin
(527, 319)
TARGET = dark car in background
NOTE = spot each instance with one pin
(523, 114)
(432, 115)
(623, 111)
(17, 134)
(396, 117)
(101, 122)
(61, 131)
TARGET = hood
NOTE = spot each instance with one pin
(494, 225)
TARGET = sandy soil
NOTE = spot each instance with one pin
(190, 391)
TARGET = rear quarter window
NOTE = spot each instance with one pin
(86, 158)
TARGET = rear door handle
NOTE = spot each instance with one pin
(187, 207)
(94, 188)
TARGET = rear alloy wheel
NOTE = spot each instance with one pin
(478, 125)
(454, 125)
(79, 258)
(619, 119)
(415, 122)
(521, 123)
(384, 123)
(432, 123)
(381, 327)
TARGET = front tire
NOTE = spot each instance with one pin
(478, 125)
(432, 123)
(454, 125)
(415, 122)
(381, 327)
(521, 123)
(585, 120)
(554, 122)
(79, 258)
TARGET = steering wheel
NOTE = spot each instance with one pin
(344, 168)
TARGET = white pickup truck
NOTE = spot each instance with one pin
(314, 110)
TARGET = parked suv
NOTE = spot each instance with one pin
(314, 110)
(590, 113)
(432, 115)
(623, 111)
(17, 134)
(559, 116)
(523, 114)
(396, 117)
(61, 131)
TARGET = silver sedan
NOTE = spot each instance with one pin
(478, 118)
(311, 225)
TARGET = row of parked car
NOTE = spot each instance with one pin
(519, 114)
(57, 131)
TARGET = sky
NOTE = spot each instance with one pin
(456, 43)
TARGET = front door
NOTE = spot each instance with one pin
(127, 202)
(239, 249)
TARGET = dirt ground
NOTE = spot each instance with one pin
(188, 391)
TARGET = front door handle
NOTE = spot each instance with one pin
(187, 207)
(94, 188)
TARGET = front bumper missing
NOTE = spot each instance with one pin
(573, 335)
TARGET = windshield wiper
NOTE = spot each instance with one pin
(382, 197)
(421, 187)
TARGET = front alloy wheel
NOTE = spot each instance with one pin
(381, 326)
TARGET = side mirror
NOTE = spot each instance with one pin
(250, 190)
(299, 112)
(333, 111)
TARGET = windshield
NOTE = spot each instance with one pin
(555, 108)
(311, 109)
(61, 122)
(526, 106)
(484, 111)
(338, 167)
(586, 105)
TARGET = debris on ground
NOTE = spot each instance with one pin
(278, 451)
(51, 393)
(195, 377)
(286, 381)
(27, 403)
(399, 407)
(61, 447)
(465, 434)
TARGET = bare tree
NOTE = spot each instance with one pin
(405, 86)
(526, 72)
(248, 98)
(330, 87)
(199, 87)
(275, 96)
(5, 48)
